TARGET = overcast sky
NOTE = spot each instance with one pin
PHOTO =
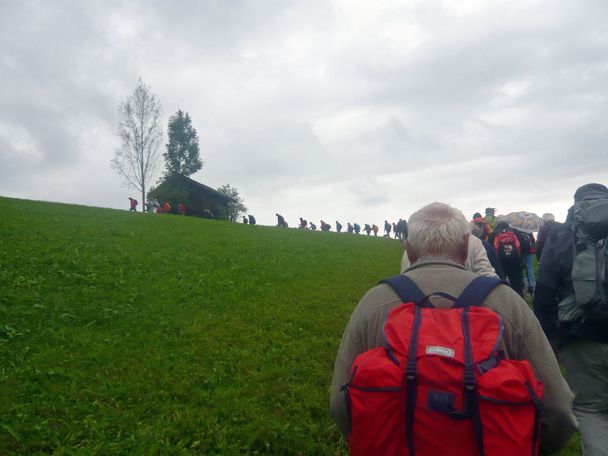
(347, 110)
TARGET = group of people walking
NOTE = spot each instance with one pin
(399, 229)
(412, 374)
(510, 251)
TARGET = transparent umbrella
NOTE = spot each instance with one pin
(524, 221)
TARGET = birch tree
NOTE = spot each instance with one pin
(140, 133)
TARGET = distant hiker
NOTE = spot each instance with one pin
(402, 226)
(349, 228)
(281, 221)
(387, 229)
(166, 207)
(528, 251)
(441, 379)
(357, 228)
(303, 224)
(208, 214)
(252, 220)
(325, 226)
(367, 228)
(508, 245)
(338, 226)
(313, 227)
(150, 206)
(133, 203)
(571, 304)
(375, 229)
(245, 220)
(491, 217)
(395, 231)
(483, 224)
(181, 209)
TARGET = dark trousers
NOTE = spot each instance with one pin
(513, 271)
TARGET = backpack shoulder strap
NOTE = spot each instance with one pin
(405, 288)
(476, 291)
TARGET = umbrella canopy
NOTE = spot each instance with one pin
(524, 221)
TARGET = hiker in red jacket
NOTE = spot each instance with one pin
(133, 203)
(181, 209)
(508, 244)
(482, 223)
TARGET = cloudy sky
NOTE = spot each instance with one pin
(335, 110)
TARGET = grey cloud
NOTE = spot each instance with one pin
(313, 94)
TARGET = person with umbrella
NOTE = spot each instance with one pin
(526, 224)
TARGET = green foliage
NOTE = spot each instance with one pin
(182, 155)
(236, 207)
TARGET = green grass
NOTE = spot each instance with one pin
(122, 333)
(129, 334)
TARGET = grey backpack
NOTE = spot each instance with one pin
(589, 259)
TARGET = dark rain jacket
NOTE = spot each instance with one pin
(553, 284)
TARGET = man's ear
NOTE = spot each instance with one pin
(410, 253)
(464, 252)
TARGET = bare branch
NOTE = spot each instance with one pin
(140, 133)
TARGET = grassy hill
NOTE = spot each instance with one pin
(129, 333)
(123, 333)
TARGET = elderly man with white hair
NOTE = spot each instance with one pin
(477, 258)
(437, 248)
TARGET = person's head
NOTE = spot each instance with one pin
(476, 215)
(590, 191)
(548, 217)
(438, 230)
(502, 225)
(490, 210)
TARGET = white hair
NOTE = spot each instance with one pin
(548, 217)
(438, 230)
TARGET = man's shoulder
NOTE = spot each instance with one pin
(508, 304)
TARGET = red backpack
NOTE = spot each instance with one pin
(440, 385)
(507, 246)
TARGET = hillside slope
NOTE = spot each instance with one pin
(130, 333)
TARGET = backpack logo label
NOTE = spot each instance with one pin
(442, 351)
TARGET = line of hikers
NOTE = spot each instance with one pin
(499, 250)
(445, 358)
(164, 208)
(399, 229)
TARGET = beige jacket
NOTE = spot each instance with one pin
(523, 339)
(477, 259)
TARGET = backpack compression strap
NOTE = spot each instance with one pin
(476, 291)
(404, 287)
